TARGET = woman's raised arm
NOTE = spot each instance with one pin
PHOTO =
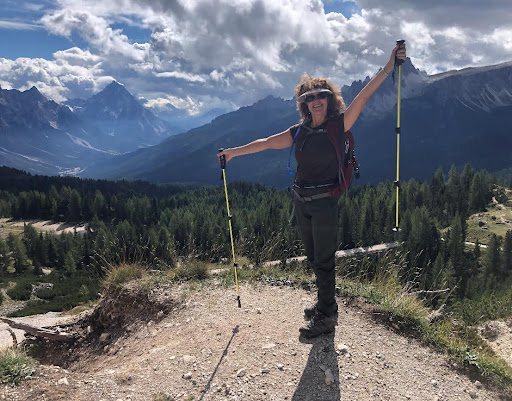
(354, 109)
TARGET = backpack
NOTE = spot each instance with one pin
(348, 165)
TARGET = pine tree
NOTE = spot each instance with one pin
(74, 210)
(19, 253)
(507, 254)
(98, 205)
(5, 257)
(492, 262)
(69, 263)
(456, 254)
(479, 192)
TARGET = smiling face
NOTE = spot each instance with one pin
(318, 108)
(318, 99)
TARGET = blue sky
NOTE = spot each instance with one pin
(197, 55)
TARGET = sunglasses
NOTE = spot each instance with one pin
(321, 95)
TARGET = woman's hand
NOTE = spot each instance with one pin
(228, 154)
(399, 52)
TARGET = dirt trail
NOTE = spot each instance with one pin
(208, 349)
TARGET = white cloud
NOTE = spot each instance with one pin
(192, 106)
(58, 80)
(200, 54)
(18, 25)
(180, 75)
(110, 43)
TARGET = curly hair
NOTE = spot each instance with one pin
(336, 104)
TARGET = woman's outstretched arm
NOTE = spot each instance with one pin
(278, 141)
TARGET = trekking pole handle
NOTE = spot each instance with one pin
(222, 159)
(399, 61)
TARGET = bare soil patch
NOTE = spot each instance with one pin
(184, 345)
(46, 225)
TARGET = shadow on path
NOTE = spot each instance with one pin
(322, 357)
(224, 353)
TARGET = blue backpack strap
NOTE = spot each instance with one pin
(291, 147)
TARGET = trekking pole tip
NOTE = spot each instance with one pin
(239, 302)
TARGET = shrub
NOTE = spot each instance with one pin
(15, 366)
(191, 271)
(21, 291)
(121, 274)
(67, 292)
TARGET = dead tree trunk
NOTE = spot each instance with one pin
(38, 331)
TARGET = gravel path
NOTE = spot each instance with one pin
(212, 350)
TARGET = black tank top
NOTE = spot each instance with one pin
(317, 163)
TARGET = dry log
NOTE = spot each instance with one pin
(13, 335)
(38, 331)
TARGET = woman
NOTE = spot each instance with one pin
(316, 211)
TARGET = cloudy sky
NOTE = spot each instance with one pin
(197, 55)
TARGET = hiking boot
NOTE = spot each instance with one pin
(309, 312)
(319, 324)
(312, 310)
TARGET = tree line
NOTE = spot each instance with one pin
(126, 224)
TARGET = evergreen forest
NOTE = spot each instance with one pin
(161, 226)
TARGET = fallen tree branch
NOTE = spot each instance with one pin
(13, 335)
(38, 331)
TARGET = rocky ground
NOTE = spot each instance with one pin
(201, 346)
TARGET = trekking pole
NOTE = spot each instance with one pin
(398, 62)
(223, 166)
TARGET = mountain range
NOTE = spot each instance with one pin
(447, 119)
(38, 135)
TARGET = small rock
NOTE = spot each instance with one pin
(478, 384)
(64, 381)
(258, 311)
(473, 395)
(265, 371)
(104, 337)
(434, 382)
(241, 372)
(226, 388)
(189, 358)
(280, 366)
(268, 346)
(160, 314)
(342, 348)
(329, 377)
(187, 376)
